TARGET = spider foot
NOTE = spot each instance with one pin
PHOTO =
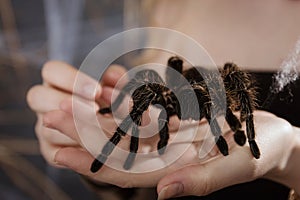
(161, 149)
(239, 137)
(222, 145)
(129, 161)
(254, 149)
(105, 110)
(98, 163)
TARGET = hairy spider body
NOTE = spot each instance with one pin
(177, 97)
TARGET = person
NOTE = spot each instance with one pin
(220, 27)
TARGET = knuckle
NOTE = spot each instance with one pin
(45, 134)
(49, 135)
(287, 128)
(37, 129)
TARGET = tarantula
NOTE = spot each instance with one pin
(148, 88)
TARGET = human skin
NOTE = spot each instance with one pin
(62, 146)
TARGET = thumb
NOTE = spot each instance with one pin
(203, 179)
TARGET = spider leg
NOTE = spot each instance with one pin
(216, 131)
(134, 142)
(239, 85)
(247, 108)
(163, 120)
(141, 78)
(142, 97)
(110, 145)
(235, 125)
(204, 110)
(174, 71)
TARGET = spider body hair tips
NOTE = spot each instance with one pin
(152, 90)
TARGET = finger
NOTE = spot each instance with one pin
(202, 179)
(80, 160)
(87, 134)
(74, 158)
(65, 77)
(62, 122)
(49, 151)
(88, 107)
(114, 75)
(56, 138)
(52, 136)
(43, 99)
(106, 95)
(86, 112)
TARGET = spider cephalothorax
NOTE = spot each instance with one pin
(148, 88)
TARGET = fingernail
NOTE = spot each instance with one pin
(170, 191)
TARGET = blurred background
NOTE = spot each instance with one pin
(32, 32)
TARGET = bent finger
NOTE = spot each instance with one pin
(87, 135)
(43, 99)
(49, 151)
(80, 161)
(62, 122)
(86, 112)
(51, 136)
(115, 75)
(65, 77)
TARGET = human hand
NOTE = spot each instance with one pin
(276, 138)
(58, 82)
(58, 79)
(57, 132)
(62, 146)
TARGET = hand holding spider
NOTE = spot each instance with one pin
(61, 146)
(56, 130)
